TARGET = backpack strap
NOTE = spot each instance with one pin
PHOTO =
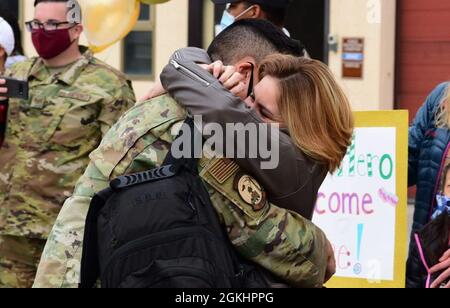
(149, 176)
(90, 268)
(191, 163)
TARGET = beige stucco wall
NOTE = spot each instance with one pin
(171, 33)
(208, 23)
(374, 20)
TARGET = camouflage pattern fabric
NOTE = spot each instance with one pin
(48, 141)
(19, 258)
(283, 242)
(49, 138)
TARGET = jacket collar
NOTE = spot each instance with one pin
(40, 72)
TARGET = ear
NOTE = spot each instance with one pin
(77, 30)
(244, 66)
(2, 53)
(256, 11)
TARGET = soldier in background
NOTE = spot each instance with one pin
(274, 11)
(74, 100)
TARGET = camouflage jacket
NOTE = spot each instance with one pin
(281, 241)
(49, 138)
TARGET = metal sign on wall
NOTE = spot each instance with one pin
(353, 57)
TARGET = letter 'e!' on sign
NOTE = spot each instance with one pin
(353, 57)
(362, 208)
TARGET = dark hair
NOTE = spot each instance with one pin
(435, 238)
(252, 37)
(276, 15)
(13, 22)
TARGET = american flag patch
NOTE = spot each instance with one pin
(223, 169)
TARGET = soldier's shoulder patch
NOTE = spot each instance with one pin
(242, 190)
(250, 191)
(222, 169)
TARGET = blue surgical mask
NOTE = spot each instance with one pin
(228, 19)
(442, 206)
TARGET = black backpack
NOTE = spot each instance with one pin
(158, 229)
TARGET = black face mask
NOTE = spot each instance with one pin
(252, 80)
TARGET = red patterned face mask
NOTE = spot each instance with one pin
(50, 44)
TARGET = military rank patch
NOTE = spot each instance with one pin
(222, 169)
(250, 191)
(74, 95)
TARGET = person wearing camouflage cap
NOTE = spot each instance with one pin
(74, 99)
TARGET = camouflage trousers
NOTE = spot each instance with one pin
(19, 259)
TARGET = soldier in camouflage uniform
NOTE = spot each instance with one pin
(277, 239)
(48, 141)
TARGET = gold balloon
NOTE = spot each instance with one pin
(108, 21)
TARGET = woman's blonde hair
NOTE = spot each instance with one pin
(313, 106)
(443, 112)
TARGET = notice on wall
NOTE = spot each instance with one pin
(363, 207)
(352, 57)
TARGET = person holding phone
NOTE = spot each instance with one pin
(73, 101)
